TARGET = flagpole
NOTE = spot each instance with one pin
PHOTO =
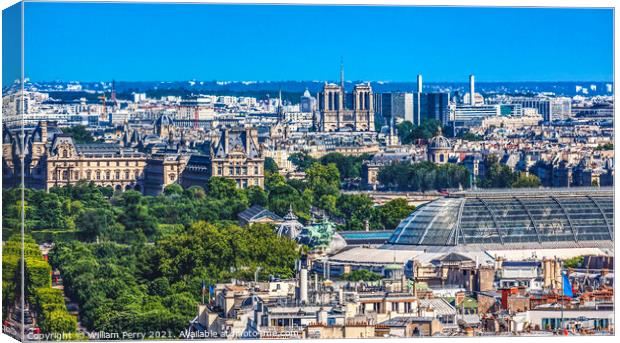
(203, 292)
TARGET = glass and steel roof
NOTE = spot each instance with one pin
(535, 216)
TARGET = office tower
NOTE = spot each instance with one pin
(307, 102)
(402, 106)
(468, 116)
(430, 106)
(383, 106)
(549, 108)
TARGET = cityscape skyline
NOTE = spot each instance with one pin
(481, 41)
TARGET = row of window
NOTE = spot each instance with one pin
(237, 170)
(97, 175)
(105, 163)
(243, 183)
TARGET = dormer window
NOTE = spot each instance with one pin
(65, 153)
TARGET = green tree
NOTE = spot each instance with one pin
(225, 189)
(79, 133)
(392, 212)
(94, 222)
(323, 180)
(356, 209)
(574, 262)
(257, 196)
(525, 181)
(301, 160)
(496, 175)
(270, 165)
(361, 275)
(173, 189)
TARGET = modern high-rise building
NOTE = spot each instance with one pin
(430, 106)
(549, 108)
(383, 106)
(307, 102)
(467, 116)
(402, 106)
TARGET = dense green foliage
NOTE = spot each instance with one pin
(469, 136)
(409, 133)
(361, 275)
(146, 287)
(349, 167)
(357, 210)
(423, 176)
(501, 176)
(525, 181)
(574, 262)
(47, 304)
(270, 165)
(136, 263)
(606, 146)
(79, 133)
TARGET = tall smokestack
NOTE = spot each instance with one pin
(342, 74)
(303, 285)
(472, 91)
(419, 83)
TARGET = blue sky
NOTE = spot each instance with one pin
(11, 44)
(93, 42)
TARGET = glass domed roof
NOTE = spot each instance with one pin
(541, 217)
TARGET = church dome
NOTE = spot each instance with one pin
(439, 142)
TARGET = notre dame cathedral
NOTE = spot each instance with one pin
(339, 111)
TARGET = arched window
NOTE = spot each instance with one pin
(172, 176)
(98, 175)
(64, 153)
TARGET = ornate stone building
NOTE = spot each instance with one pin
(104, 164)
(163, 169)
(339, 111)
(234, 154)
(56, 160)
(439, 149)
(29, 145)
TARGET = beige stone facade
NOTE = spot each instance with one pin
(338, 112)
(237, 155)
(102, 164)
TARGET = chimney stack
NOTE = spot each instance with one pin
(472, 90)
(419, 83)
